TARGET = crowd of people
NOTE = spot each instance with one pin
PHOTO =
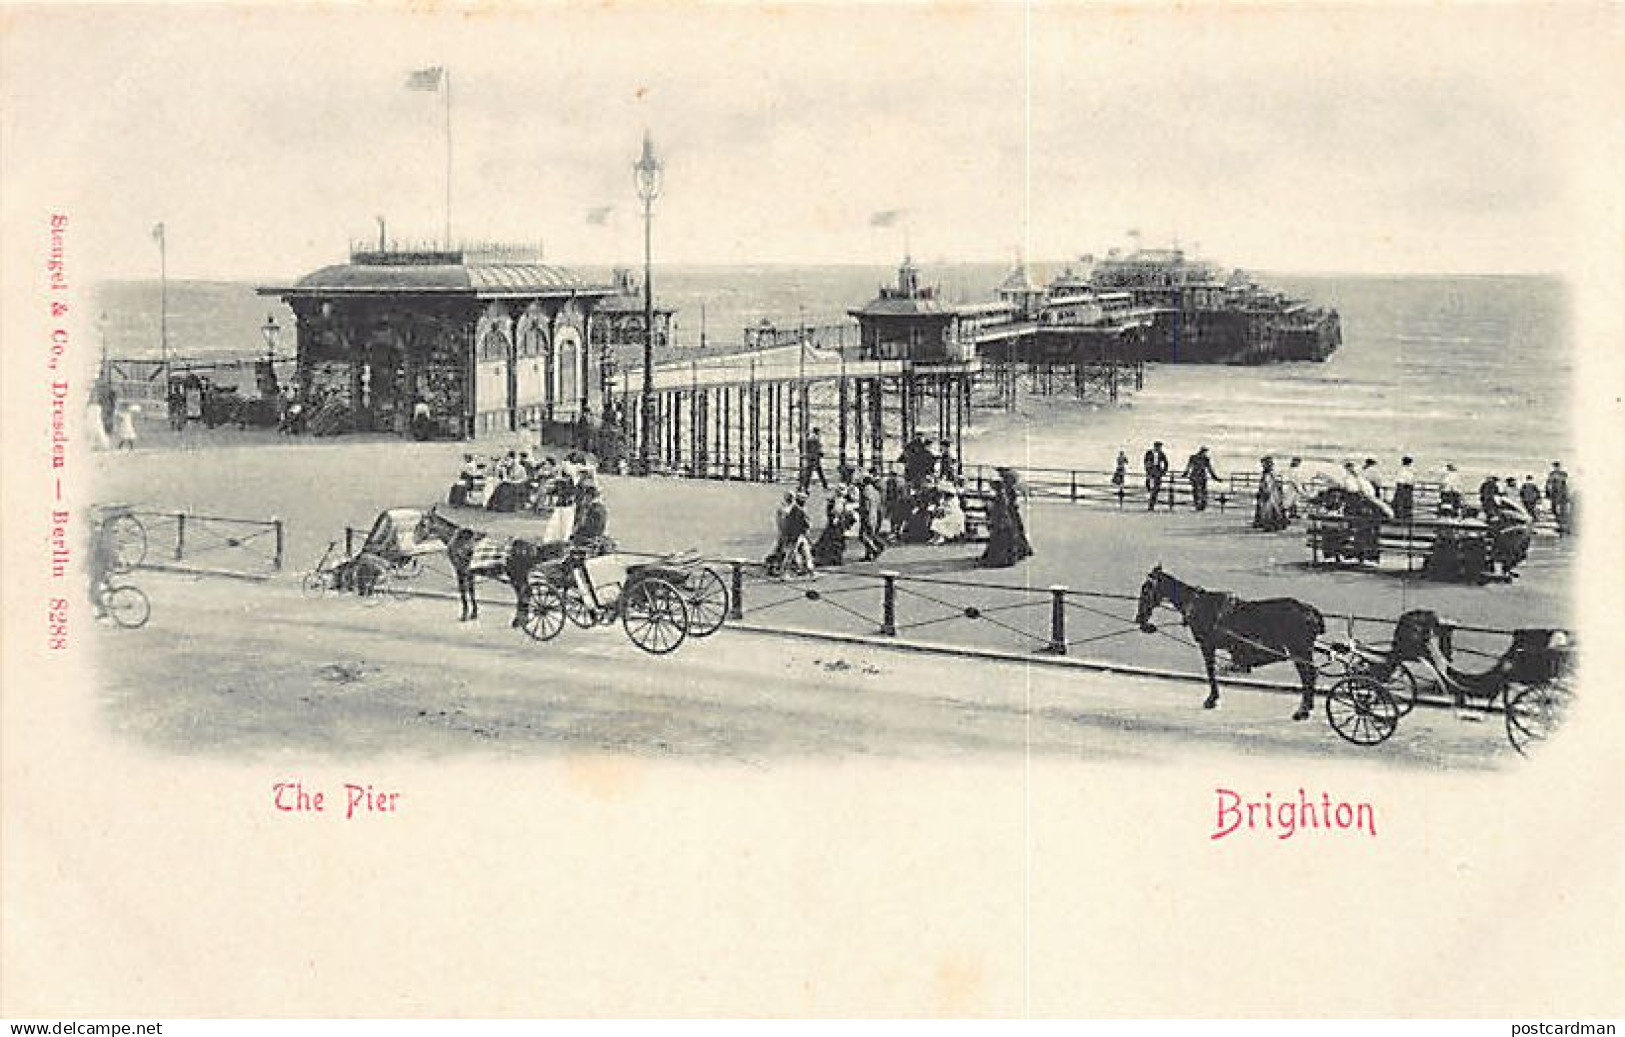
(522, 481)
(923, 504)
(1280, 496)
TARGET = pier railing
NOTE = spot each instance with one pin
(1086, 486)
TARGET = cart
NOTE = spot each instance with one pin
(659, 602)
(390, 556)
(1533, 681)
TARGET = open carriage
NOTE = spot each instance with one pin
(1533, 680)
(659, 602)
(390, 556)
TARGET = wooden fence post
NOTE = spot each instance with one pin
(180, 535)
(280, 543)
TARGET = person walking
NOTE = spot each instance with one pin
(1557, 495)
(1198, 470)
(1405, 489)
(1156, 470)
(796, 527)
(124, 428)
(812, 460)
(1120, 474)
(870, 507)
(1488, 490)
(1269, 509)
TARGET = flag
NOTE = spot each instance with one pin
(158, 232)
(885, 217)
(600, 215)
(425, 78)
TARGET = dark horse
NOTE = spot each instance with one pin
(1253, 632)
(475, 553)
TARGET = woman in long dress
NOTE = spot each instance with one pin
(1010, 481)
(1269, 508)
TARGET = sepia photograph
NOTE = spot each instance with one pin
(811, 509)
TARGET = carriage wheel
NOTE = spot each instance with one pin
(315, 583)
(129, 542)
(708, 600)
(1401, 685)
(577, 610)
(545, 617)
(1361, 711)
(129, 607)
(1534, 711)
(654, 615)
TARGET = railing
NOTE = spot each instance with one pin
(214, 544)
(983, 618)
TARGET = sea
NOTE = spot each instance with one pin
(1474, 370)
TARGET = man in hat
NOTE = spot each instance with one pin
(812, 460)
(1156, 469)
(1557, 493)
(1199, 469)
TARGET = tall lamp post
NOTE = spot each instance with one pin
(647, 172)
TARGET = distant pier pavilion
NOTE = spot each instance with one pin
(489, 340)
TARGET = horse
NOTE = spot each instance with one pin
(475, 553)
(1253, 632)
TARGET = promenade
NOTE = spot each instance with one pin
(209, 634)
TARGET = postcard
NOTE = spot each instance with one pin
(887, 510)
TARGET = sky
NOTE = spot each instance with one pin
(1373, 139)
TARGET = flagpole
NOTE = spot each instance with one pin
(163, 302)
(448, 157)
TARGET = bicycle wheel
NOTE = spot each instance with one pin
(708, 600)
(545, 617)
(129, 607)
(1361, 711)
(315, 583)
(129, 542)
(654, 615)
(1534, 711)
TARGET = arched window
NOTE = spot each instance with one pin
(567, 367)
(494, 346)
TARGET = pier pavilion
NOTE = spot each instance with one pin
(490, 339)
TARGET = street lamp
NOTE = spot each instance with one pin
(646, 172)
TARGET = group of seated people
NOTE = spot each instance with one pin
(520, 481)
(1468, 542)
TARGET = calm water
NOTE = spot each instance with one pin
(1474, 370)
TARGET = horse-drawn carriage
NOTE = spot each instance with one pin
(659, 602)
(391, 554)
(1373, 687)
(1532, 678)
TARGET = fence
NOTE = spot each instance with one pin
(214, 544)
(987, 618)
